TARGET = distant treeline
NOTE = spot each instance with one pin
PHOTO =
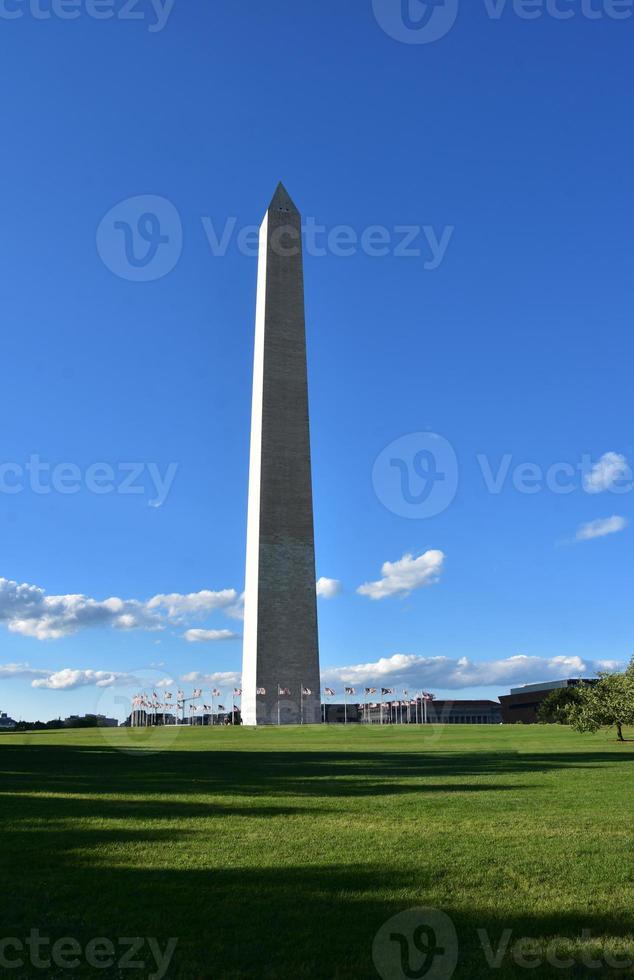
(88, 721)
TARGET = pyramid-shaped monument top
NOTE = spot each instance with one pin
(282, 201)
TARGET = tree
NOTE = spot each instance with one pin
(554, 709)
(88, 721)
(610, 703)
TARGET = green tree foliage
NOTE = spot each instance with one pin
(555, 708)
(608, 704)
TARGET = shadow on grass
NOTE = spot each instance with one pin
(80, 770)
(272, 922)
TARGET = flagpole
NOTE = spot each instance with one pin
(345, 706)
(278, 704)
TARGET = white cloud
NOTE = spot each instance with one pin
(179, 607)
(236, 611)
(20, 672)
(328, 588)
(600, 528)
(611, 468)
(402, 577)
(416, 672)
(66, 680)
(409, 671)
(29, 611)
(63, 680)
(209, 636)
(221, 679)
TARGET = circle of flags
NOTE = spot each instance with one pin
(148, 709)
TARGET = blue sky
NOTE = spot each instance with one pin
(509, 140)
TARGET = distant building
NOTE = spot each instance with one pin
(479, 712)
(90, 721)
(336, 714)
(149, 719)
(6, 724)
(523, 703)
(145, 719)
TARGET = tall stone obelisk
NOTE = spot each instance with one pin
(281, 650)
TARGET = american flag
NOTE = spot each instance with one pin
(370, 690)
(328, 691)
(351, 690)
(306, 691)
(260, 690)
(237, 692)
(387, 690)
(428, 697)
(221, 707)
(197, 693)
(284, 692)
(181, 695)
(215, 693)
(168, 696)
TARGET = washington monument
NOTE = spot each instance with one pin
(280, 668)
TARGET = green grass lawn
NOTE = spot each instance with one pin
(279, 853)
